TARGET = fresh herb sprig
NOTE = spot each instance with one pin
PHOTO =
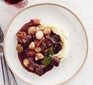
(48, 59)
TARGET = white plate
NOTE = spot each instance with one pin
(49, 14)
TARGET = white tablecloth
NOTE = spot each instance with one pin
(84, 10)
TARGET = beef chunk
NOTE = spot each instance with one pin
(56, 38)
(31, 65)
(57, 47)
(43, 46)
(49, 42)
(34, 22)
(40, 70)
(55, 61)
(31, 53)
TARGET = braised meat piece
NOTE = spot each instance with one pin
(43, 46)
(55, 61)
(31, 53)
(34, 22)
(40, 70)
(56, 38)
(57, 47)
(49, 42)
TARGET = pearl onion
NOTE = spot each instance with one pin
(39, 56)
(47, 31)
(31, 30)
(39, 34)
(32, 45)
(26, 62)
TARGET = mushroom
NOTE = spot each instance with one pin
(20, 34)
(47, 31)
(19, 48)
(31, 30)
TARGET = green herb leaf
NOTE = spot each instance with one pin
(48, 59)
(51, 51)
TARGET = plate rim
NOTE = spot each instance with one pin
(61, 6)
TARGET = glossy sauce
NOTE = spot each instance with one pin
(23, 55)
